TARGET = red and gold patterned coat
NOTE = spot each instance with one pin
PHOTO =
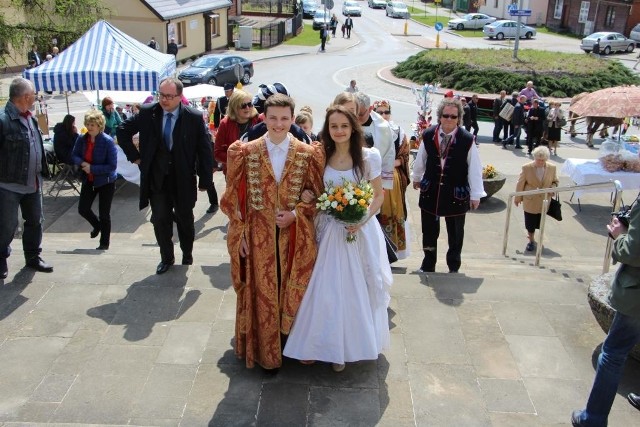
(266, 308)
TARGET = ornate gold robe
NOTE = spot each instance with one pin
(266, 308)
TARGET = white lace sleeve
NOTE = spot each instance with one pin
(372, 163)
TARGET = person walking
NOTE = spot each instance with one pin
(517, 121)
(498, 122)
(535, 125)
(352, 278)
(348, 25)
(323, 37)
(22, 164)
(174, 149)
(271, 237)
(535, 175)
(95, 153)
(473, 116)
(221, 105)
(624, 332)
(448, 173)
(172, 47)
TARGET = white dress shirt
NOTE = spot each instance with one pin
(474, 175)
(278, 155)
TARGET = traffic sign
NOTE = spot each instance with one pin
(328, 4)
(512, 6)
(438, 26)
(520, 12)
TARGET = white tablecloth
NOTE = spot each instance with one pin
(128, 170)
(589, 171)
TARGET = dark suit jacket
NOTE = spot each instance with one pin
(192, 154)
(220, 111)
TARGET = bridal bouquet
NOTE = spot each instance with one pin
(347, 203)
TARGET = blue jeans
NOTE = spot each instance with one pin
(623, 335)
(31, 207)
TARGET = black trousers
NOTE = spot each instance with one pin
(430, 234)
(497, 128)
(474, 126)
(213, 195)
(165, 209)
(101, 222)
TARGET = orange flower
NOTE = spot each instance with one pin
(339, 208)
(331, 198)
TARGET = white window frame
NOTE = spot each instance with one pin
(583, 16)
(557, 10)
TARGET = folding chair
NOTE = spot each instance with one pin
(66, 176)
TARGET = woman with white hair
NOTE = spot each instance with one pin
(535, 175)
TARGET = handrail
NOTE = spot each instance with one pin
(615, 186)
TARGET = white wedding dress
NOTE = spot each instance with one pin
(343, 316)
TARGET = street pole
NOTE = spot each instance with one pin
(516, 45)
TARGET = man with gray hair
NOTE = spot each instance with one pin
(378, 134)
(22, 162)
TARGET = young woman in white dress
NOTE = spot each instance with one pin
(343, 316)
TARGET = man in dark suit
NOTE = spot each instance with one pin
(348, 25)
(517, 121)
(172, 47)
(221, 105)
(174, 148)
(34, 56)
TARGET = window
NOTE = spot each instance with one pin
(584, 12)
(495, 4)
(557, 11)
(610, 17)
(215, 25)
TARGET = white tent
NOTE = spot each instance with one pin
(104, 58)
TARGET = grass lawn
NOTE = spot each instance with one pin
(308, 37)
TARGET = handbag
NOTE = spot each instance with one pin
(555, 209)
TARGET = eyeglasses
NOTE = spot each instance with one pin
(246, 105)
(449, 116)
(384, 112)
(166, 96)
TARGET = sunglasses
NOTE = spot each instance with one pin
(384, 112)
(246, 105)
(449, 116)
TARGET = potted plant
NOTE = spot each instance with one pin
(492, 180)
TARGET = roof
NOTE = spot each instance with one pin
(170, 9)
(120, 63)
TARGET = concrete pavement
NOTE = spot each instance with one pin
(104, 341)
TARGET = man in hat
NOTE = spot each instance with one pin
(221, 104)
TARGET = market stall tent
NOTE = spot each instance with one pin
(103, 58)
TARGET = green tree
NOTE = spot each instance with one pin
(45, 20)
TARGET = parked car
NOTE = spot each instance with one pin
(216, 70)
(471, 20)
(351, 8)
(609, 42)
(397, 9)
(309, 8)
(377, 4)
(507, 29)
(635, 34)
(320, 18)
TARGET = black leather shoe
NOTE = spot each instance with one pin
(102, 248)
(164, 267)
(39, 265)
(94, 233)
(634, 399)
(4, 270)
(187, 259)
(519, 147)
(213, 209)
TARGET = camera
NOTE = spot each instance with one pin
(623, 215)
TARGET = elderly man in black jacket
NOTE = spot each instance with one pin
(517, 121)
(175, 159)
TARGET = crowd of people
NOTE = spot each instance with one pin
(275, 170)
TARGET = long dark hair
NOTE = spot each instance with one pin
(68, 122)
(356, 141)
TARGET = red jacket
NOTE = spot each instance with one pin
(228, 133)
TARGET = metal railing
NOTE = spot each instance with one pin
(615, 187)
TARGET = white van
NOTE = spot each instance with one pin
(635, 34)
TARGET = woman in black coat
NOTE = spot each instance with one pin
(64, 136)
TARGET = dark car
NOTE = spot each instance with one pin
(216, 70)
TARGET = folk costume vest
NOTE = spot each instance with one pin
(444, 189)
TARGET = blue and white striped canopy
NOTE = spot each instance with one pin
(103, 58)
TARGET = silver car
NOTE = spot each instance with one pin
(397, 9)
(471, 20)
(377, 4)
(609, 42)
(351, 8)
(507, 29)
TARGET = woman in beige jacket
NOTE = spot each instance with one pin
(535, 175)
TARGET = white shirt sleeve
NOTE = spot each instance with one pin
(476, 188)
(372, 163)
(383, 141)
(419, 164)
